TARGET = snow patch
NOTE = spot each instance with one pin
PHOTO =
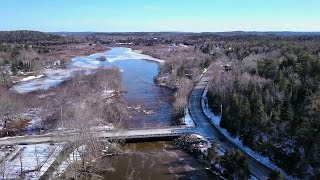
(32, 77)
(52, 79)
(127, 54)
(36, 159)
(188, 119)
(73, 157)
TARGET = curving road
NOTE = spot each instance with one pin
(210, 132)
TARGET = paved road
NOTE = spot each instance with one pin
(207, 129)
(119, 134)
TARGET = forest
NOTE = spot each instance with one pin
(33, 38)
(271, 98)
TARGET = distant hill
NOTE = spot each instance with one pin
(227, 33)
(31, 37)
(262, 33)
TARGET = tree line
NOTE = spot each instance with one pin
(270, 100)
(33, 38)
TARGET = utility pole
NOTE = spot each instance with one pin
(61, 118)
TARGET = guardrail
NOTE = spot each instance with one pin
(161, 127)
(174, 134)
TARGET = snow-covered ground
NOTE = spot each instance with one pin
(216, 122)
(53, 77)
(73, 157)
(33, 159)
(203, 147)
(32, 77)
(188, 119)
(107, 93)
(35, 120)
(107, 127)
(133, 54)
(4, 152)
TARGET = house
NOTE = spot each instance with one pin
(163, 79)
(227, 67)
(57, 63)
(189, 72)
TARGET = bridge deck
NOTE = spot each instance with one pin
(121, 134)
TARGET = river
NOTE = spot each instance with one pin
(150, 160)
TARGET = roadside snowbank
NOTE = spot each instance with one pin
(188, 119)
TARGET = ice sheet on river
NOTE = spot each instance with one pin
(53, 77)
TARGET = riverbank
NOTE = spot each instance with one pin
(41, 111)
(66, 52)
(56, 57)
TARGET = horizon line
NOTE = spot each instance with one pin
(244, 31)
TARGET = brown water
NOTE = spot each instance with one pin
(143, 95)
(156, 161)
(150, 160)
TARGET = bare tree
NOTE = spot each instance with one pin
(8, 107)
(181, 97)
(3, 168)
(21, 162)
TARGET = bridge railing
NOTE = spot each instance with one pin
(173, 134)
(161, 127)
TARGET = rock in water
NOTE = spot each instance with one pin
(102, 58)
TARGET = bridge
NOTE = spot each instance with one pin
(125, 134)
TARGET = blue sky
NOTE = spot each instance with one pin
(160, 15)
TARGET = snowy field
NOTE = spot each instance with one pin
(30, 160)
(73, 157)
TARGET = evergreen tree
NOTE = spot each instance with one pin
(235, 164)
(245, 112)
(214, 102)
(258, 114)
(212, 153)
(275, 175)
(181, 71)
(245, 118)
(287, 113)
(234, 112)
(14, 69)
